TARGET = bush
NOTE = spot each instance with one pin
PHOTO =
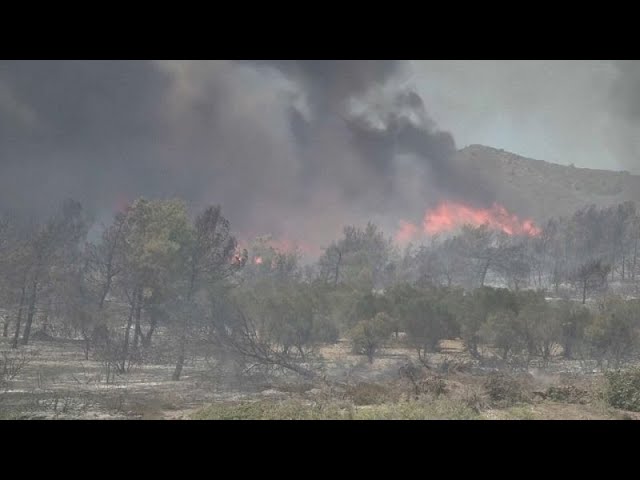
(504, 390)
(473, 397)
(434, 385)
(622, 389)
(567, 394)
(367, 393)
(11, 364)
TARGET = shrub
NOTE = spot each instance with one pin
(504, 390)
(567, 394)
(423, 381)
(622, 389)
(11, 364)
(434, 385)
(473, 397)
(367, 393)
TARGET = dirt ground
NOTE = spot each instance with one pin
(57, 382)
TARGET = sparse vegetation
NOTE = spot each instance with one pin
(161, 287)
(411, 410)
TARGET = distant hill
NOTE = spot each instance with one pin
(542, 190)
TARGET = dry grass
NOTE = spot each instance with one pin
(59, 383)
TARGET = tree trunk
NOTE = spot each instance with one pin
(301, 351)
(146, 339)
(182, 342)
(5, 329)
(485, 269)
(584, 292)
(635, 257)
(31, 313)
(370, 355)
(16, 335)
(104, 294)
(613, 268)
(45, 318)
(337, 272)
(87, 343)
(181, 356)
(138, 332)
(566, 350)
(125, 347)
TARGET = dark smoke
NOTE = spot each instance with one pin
(277, 143)
(330, 84)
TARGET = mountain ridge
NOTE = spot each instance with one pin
(540, 189)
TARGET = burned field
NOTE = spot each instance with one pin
(53, 380)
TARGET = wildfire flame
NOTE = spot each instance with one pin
(449, 215)
(257, 260)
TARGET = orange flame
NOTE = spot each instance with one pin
(257, 260)
(406, 232)
(448, 216)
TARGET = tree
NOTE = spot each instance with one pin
(289, 315)
(369, 336)
(11, 253)
(53, 250)
(241, 334)
(474, 311)
(208, 255)
(574, 320)
(513, 263)
(541, 326)
(361, 259)
(590, 276)
(613, 335)
(501, 331)
(426, 320)
(139, 255)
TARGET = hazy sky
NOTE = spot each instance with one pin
(579, 112)
(299, 148)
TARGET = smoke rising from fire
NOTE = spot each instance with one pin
(297, 149)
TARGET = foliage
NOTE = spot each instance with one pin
(613, 334)
(623, 389)
(504, 390)
(369, 336)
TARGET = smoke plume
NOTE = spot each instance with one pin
(293, 148)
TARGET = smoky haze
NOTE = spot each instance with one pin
(293, 148)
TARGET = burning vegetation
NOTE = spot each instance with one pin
(448, 217)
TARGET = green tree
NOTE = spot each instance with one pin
(613, 334)
(206, 255)
(369, 336)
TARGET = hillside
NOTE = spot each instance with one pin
(540, 189)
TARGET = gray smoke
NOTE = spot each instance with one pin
(292, 148)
